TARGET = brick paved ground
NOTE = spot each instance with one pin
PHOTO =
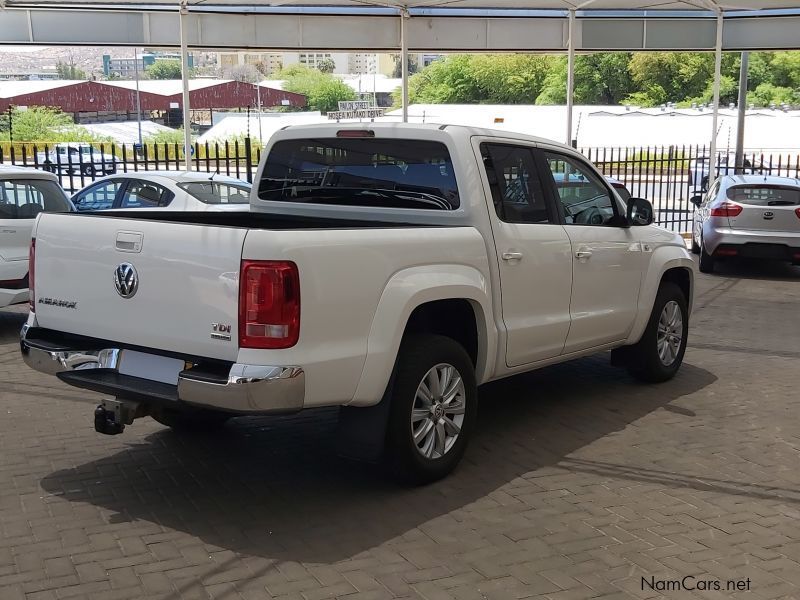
(579, 483)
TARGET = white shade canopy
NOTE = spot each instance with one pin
(588, 5)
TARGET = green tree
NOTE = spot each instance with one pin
(397, 70)
(767, 94)
(45, 124)
(326, 65)
(679, 75)
(323, 92)
(39, 123)
(164, 69)
(69, 71)
(785, 69)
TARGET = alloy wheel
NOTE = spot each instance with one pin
(670, 333)
(437, 414)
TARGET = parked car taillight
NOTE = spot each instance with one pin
(269, 304)
(797, 212)
(726, 209)
(31, 272)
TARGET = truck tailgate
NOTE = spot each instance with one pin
(188, 280)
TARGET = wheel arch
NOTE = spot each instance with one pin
(676, 267)
(433, 299)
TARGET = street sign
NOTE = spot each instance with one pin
(356, 109)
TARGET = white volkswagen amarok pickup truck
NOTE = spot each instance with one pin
(387, 269)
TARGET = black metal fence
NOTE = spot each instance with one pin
(668, 176)
(78, 164)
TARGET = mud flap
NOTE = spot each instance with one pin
(361, 432)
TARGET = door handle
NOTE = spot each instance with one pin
(512, 255)
(583, 254)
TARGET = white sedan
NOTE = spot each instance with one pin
(24, 193)
(165, 190)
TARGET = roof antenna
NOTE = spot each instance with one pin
(214, 174)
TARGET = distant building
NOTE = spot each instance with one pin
(125, 68)
(268, 63)
(29, 76)
(161, 100)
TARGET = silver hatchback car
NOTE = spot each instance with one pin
(752, 216)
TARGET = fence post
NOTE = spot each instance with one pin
(248, 159)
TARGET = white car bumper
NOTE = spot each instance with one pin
(8, 297)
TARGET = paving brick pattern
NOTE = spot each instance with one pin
(579, 483)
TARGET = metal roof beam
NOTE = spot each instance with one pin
(299, 31)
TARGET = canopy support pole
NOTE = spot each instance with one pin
(187, 130)
(712, 160)
(404, 60)
(570, 73)
(742, 112)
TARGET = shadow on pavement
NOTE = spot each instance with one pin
(747, 268)
(272, 487)
(11, 321)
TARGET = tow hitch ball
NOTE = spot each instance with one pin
(111, 416)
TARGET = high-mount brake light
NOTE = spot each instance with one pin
(355, 133)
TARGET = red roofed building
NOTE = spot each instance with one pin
(112, 100)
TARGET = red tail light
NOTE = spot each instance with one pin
(797, 212)
(31, 274)
(726, 209)
(269, 304)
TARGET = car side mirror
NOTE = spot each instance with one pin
(696, 200)
(640, 211)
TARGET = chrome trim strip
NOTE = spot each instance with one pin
(248, 389)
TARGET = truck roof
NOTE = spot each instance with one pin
(14, 172)
(330, 130)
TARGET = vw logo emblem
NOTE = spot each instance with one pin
(126, 280)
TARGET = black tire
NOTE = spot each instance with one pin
(704, 183)
(195, 420)
(706, 260)
(646, 363)
(418, 355)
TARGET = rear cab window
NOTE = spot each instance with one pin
(370, 172)
(765, 195)
(26, 198)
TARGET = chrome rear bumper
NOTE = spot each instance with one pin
(246, 389)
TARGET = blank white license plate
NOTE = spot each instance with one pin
(151, 366)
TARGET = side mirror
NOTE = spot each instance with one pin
(696, 200)
(640, 211)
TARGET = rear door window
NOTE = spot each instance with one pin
(143, 194)
(214, 192)
(26, 198)
(765, 195)
(387, 173)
